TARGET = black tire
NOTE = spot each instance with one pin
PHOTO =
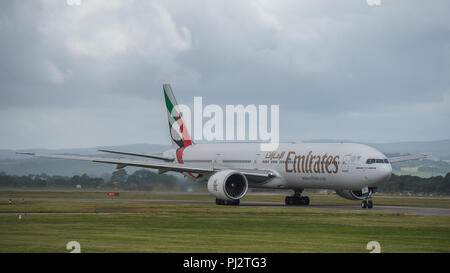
(364, 204)
(296, 201)
(288, 201)
(369, 204)
(231, 203)
(305, 200)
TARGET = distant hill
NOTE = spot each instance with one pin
(438, 150)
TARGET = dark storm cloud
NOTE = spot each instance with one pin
(340, 55)
(340, 69)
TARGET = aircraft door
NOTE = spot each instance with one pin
(218, 159)
(346, 163)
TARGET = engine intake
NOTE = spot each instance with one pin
(228, 185)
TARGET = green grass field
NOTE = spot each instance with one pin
(151, 227)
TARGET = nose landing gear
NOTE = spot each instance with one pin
(367, 204)
(297, 199)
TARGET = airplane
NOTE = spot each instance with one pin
(354, 171)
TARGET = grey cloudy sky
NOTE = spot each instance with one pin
(88, 75)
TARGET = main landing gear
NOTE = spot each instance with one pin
(367, 204)
(297, 199)
(227, 202)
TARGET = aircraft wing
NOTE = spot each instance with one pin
(128, 162)
(121, 163)
(406, 158)
(139, 155)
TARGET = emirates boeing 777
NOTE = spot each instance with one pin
(354, 171)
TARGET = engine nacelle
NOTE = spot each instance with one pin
(354, 195)
(228, 185)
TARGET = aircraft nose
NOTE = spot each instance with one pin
(385, 172)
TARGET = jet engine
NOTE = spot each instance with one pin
(229, 185)
(354, 195)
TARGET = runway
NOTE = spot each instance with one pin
(424, 211)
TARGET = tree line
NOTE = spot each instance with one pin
(120, 179)
(148, 180)
(409, 183)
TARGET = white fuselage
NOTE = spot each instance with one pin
(298, 165)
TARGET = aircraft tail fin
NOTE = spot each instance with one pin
(178, 132)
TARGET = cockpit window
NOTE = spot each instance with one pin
(380, 161)
(386, 161)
